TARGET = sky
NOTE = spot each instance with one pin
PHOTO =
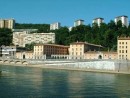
(63, 11)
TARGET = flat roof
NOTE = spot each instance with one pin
(121, 16)
(29, 51)
(98, 18)
(79, 20)
(7, 19)
(24, 51)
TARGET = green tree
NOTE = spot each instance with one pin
(30, 47)
(45, 28)
(5, 37)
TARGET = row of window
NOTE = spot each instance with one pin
(122, 56)
(122, 47)
(76, 49)
(123, 51)
(76, 53)
(77, 45)
(122, 42)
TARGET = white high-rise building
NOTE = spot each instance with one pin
(124, 20)
(98, 21)
(23, 38)
(55, 26)
(78, 22)
(7, 23)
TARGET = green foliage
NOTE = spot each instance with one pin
(45, 28)
(61, 35)
(30, 47)
(5, 37)
(105, 35)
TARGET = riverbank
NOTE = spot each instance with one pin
(66, 68)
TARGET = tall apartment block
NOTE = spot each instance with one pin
(78, 22)
(124, 20)
(98, 21)
(7, 23)
(55, 26)
(123, 48)
(23, 38)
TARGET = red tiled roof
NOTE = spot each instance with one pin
(52, 45)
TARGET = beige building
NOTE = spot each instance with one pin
(100, 55)
(7, 23)
(50, 51)
(77, 49)
(24, 55)
(23, 38)
(123, 48)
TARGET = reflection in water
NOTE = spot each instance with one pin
(23, 82)
(84, 84)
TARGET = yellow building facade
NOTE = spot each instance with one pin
(123, 48)
(77, 49)
(24, 55)
(7, 23)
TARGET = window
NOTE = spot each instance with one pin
(122, 46)
(126, 46)
(126, 57)
(119, 56)
(122, 56)
(126, 51)
(80, 49)
(122, 51)
(80, 53)
(126, 42)
(122, 42)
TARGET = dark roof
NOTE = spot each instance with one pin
(79, 20)
(121, 16)
(98, 18)
(51, 45)
(86, 43)
(123, 38)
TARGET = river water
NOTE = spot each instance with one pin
(25, 82)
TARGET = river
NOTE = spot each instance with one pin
(26, 82)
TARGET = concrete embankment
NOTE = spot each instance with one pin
(107, 66)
